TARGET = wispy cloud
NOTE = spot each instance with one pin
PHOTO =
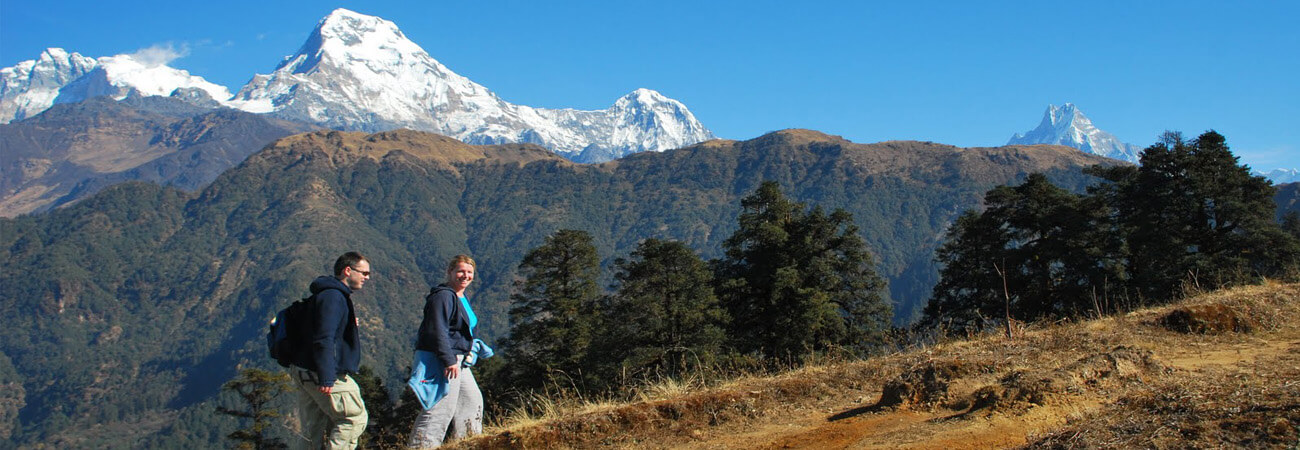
(160, 54)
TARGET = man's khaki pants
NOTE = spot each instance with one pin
(329, 421)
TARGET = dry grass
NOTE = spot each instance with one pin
(1146, 379)
(1255, 404)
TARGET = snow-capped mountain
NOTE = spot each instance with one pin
(359, 72)
(31, 86)
(1066, 125)
(1279, 176)
(57, 76)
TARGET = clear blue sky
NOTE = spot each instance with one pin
(955, 72)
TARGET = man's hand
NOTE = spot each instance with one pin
(452, 371)
(326, 389)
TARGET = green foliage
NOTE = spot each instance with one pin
(663, 318)
(1193, 214)
(796, 282)
(257, 388)
(1036, 251)
(1188, 215)
(554, 311)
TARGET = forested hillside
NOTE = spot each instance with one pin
(1287, 198)
(130, 309)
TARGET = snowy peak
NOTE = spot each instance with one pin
(31, 86)
(645, 97)
(359, 72)
(666, 122)
(1066, 125)
(57, 76)
(344, 36)
(1280, 176)
(150, 75)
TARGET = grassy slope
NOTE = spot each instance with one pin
(1125, 381)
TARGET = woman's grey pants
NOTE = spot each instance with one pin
(461, 411)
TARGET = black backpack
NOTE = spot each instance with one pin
(287, 335)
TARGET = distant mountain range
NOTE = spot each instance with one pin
(1066, 125)
(1280, 176)
(359, 72)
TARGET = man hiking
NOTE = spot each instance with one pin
(329, 399)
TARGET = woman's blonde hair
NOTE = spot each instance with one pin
(456, 260)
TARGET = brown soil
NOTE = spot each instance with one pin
(1221, 370)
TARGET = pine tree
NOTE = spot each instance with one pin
(1195, 216)
(796, 282)
(257, 388)
(1036, 251)
(553, 311)
(664, 317)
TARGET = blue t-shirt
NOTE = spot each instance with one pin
(473, 319)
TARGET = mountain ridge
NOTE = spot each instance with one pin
(73, 150)
(357, 72)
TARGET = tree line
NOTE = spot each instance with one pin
(795, 282)
(1188, 217)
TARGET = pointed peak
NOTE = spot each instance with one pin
(347, 20)
(353, 26)
(1066, 114)
(344, 36)
(343, 12)
(645, 96)
(53, 53)
(1067, 125)
(57, 56)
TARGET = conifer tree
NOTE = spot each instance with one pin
(257, 388)
(796, 282)
(553, 311)
(1195, 216)
(1036, 251)
(664, 317)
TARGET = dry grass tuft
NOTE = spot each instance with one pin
(926, 384)
(1207, 319)
(1019, 388)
